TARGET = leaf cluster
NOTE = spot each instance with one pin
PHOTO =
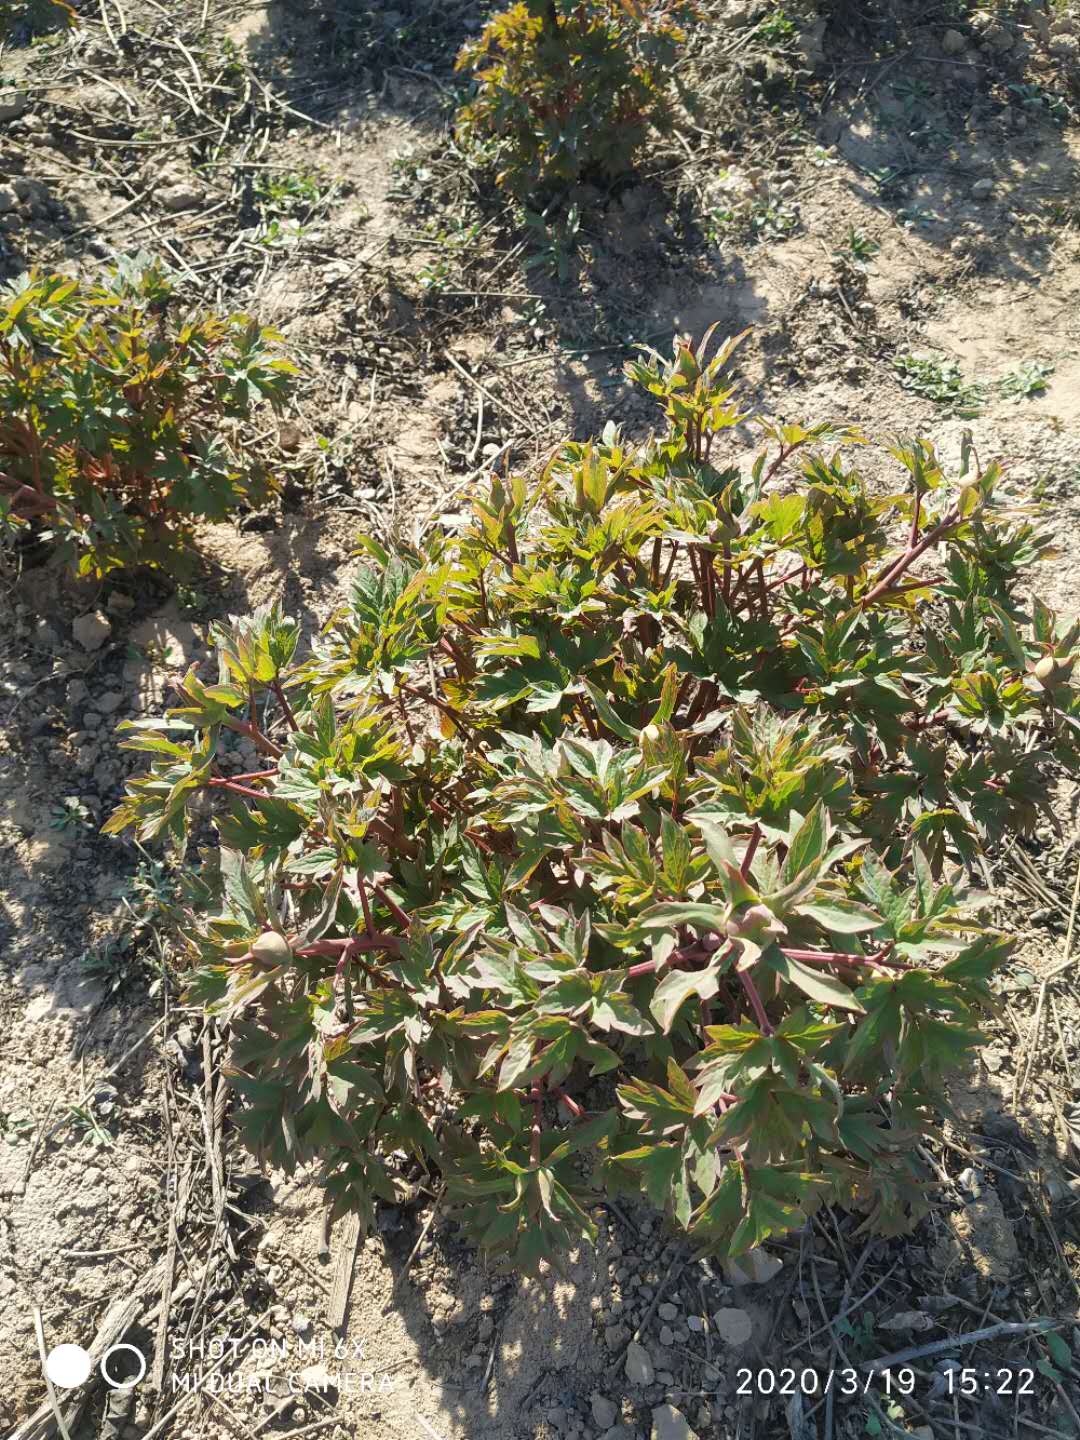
(119, 427)
(568, 90)
(618, 839)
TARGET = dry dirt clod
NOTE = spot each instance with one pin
(604, 1411)
(91, 631)
(639, 1365)
(756, 1267)
(734, 1327)
(670, 1424)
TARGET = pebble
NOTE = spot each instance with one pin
(616, 1336)
(670, 1424)
(668, 1312)
(695, 1323)
(109, 703)
(756, 1267)
(639, 1366)
(8, 199)
(180, 197)
(604, 1413)
(953, 43)
(667, 1336)
(982, 189)
(301, 1324)
(12, 104)
(734, 1327)
(91, 631)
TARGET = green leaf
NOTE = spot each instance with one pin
(676, 912)
(817, 984)
(676, 988)
(841, 917)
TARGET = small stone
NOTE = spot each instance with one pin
(695, 1323)
(668, 1312)
(667, 1336)
(301, 1324)
(180, 197)
(756, 1267)
(639, 1366)
(953, 43)
(908, 1320)
(734, 1327)
(12, 104)
(670, 1424)
(109, 703)
(91, 631)
(615, 1337)
(8, 199)
(982, 189)
(604, 1412)
(119, 604)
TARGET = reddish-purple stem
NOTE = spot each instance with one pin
(751, 850)
(290, 718)
(764, 1023)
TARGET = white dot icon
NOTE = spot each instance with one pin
(68, 1366)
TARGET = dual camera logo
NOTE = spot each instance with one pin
(69, 1366)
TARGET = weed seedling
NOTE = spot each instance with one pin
(942, 382)
(1027, 381)
(70, 814)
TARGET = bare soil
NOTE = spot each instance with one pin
(826, 194)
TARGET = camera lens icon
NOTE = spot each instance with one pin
(69, 1366)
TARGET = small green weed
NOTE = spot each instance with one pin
(1035, 99)
(776, 30)
(70, 814)
(454, 242)
(557, 240)
(859, 247)
(1027, 381)
(942, 382)
(757, 218)
(15, 1128)
(88, 1127)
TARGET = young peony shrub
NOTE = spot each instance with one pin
(118, 426)
(569, 89)
(616, 840)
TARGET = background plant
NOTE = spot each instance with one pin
(118, 426)
(618, 839)
(32, 16)
(569, 89)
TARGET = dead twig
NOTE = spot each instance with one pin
(972, 1337)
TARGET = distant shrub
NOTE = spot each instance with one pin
(32, 16)
(569, 89)
(117, 425)
(615, 840)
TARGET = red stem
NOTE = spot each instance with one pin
(572, 1105)
(751, 850)
(894, 571)
(290, 718)
(764, 1023)
(395, 909)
